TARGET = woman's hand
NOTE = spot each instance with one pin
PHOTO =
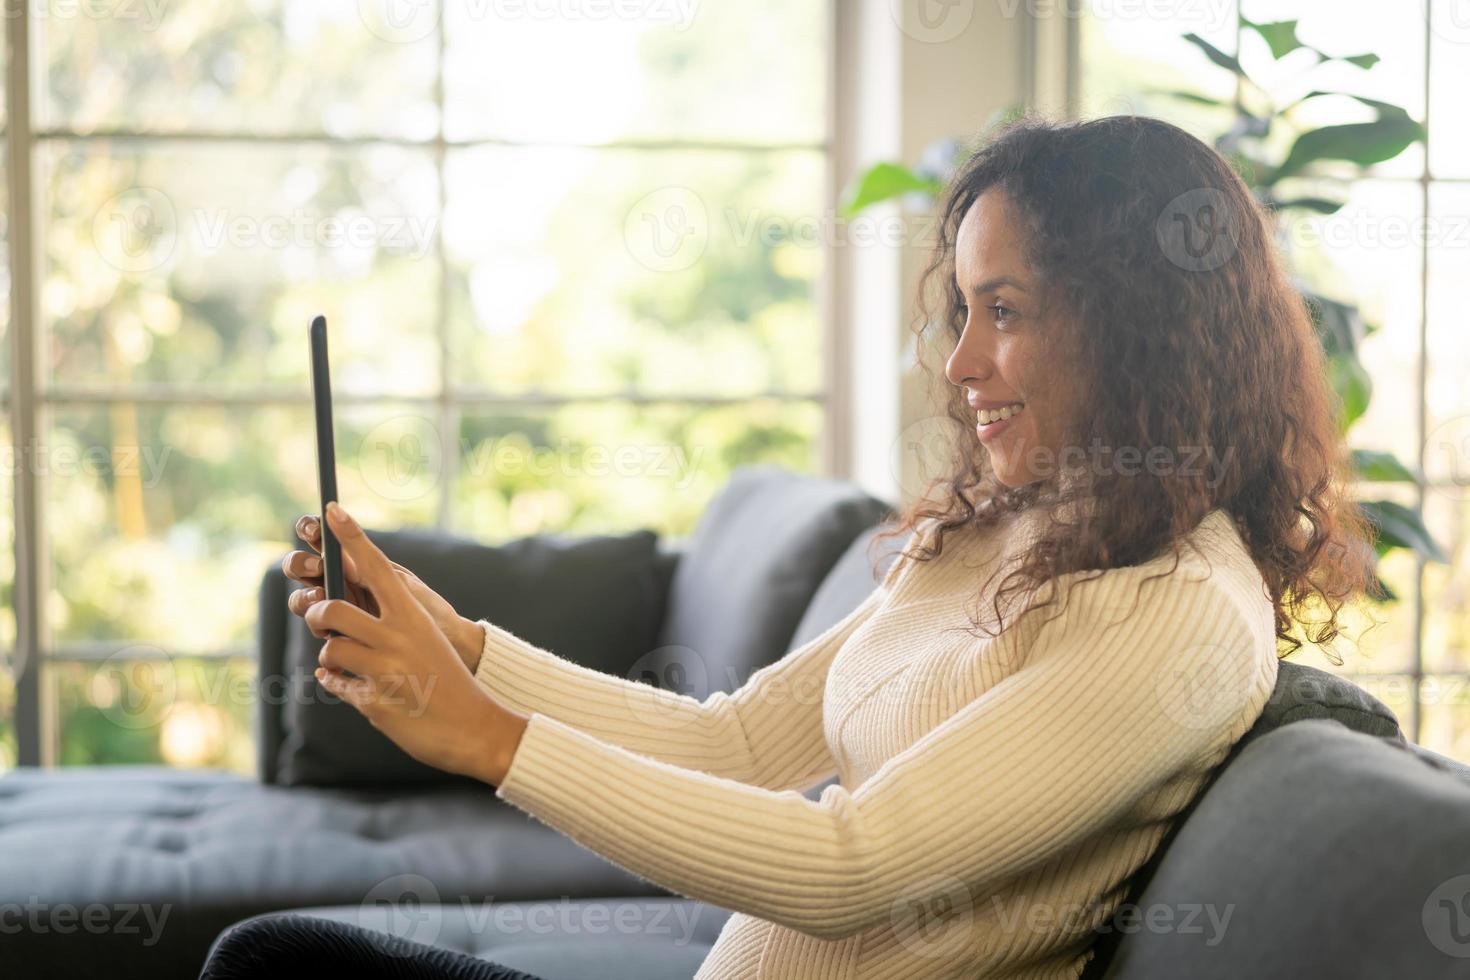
(306, 567)
(411, 683)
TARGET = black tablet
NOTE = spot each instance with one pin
(326, 457)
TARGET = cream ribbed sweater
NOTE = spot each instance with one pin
(994, 795)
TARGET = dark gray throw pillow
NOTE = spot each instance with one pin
(595, 600)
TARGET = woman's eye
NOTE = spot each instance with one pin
(1003, 314)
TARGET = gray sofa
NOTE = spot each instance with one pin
(1326, 846)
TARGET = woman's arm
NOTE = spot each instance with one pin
(1096, 718)
(768, 733)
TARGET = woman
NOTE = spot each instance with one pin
(1149, 504)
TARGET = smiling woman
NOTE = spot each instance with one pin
(1044, 764)
(1110, 287)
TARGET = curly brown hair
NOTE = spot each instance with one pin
(1174, 337)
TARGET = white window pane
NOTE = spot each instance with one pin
(585, 271)
(751, 70)
(203, 264)
(273, 66)
(1449, 76)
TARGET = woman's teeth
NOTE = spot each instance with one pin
(987, 416)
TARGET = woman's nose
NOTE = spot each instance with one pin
(968, 363)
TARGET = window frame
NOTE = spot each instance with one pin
(28, 396)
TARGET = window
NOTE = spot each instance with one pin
(1397, 250)
(553, 245)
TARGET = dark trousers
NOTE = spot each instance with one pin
(288, 944)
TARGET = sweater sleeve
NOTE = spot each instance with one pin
(1093, 718)
(767, 733)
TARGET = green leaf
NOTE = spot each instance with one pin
(1361, 60)
(1353, 386)
(1382, 108)
(1378, 589)
(1339, 326)
(1194, 97)
(1363, 144)
(1378, 467)
(1219, 57)
(1321, 205)
(1400, 527)
(884, 181)
(1279, 35)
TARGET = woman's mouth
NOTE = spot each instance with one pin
(993, 422)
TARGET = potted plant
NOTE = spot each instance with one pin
(1248, 144)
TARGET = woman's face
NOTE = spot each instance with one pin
(1002, 357)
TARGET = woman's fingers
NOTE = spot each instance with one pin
(340, 653)
(300, 600)
(345, 618)
(309, 529)
(303, 567)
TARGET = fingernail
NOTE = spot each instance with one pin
(313, 565)
(337, 513)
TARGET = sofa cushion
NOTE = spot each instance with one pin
(1301, 693)
(596, 600)
(849, 582)
(1320, 852)
(165, 859)
(757, 556)
(561, 939)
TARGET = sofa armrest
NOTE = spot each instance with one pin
(270, 684)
